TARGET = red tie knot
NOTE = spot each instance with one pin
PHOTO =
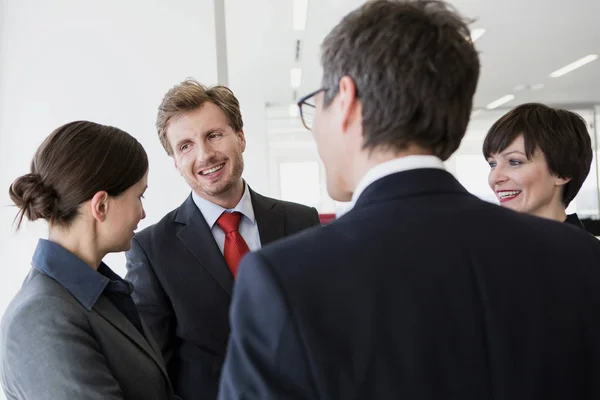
(229, 222)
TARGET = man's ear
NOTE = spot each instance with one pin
(347, 101)
(242, 138)
(99, 204)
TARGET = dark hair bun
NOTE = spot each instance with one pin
(77, 160)
(35, 199)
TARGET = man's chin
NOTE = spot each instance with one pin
(215, 190)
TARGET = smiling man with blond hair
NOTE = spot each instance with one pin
(183, 268)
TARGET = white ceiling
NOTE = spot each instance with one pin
(524, 42)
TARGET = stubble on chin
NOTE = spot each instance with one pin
(222, 186)
(215, 189)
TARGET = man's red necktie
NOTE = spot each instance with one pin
(235, 245)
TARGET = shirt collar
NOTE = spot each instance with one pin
(71, 272)
(212, 211)
(391, 167)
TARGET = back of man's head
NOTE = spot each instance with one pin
(415, 69)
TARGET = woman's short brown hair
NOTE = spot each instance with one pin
(561, 135)
(190, 95)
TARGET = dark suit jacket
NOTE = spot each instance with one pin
(421, 291)
(182, 287)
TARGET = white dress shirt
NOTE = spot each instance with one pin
(391, 167)
(248, 226)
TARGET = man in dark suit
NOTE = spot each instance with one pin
(183, 267)
(421, 290)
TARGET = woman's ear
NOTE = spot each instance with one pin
(99, 205)
(558, 181)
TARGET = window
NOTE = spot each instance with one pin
(300, 182)
(472, 172)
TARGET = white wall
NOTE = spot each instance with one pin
(109, 61)
(248, 78)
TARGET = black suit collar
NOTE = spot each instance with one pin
(271, 224)
(574, 220)
(414, 182)
(197, 237)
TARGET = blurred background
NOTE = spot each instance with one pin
(111, 61)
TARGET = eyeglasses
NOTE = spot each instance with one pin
(307, 108)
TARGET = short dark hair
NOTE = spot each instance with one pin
(561, 135)
(415, 69)
(190, 95)
(75, 162)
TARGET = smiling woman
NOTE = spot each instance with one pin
(539, 158)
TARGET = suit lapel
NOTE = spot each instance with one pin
(197, 237)
(150, 339)
(271, 224)
(154, 346)
(110, 313)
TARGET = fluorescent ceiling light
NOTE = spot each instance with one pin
(300, 10)
(295, 77)
(476, 34)
(520, 88)
(574, 65)
(500, 101)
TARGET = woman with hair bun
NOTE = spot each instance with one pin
(72, 331)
